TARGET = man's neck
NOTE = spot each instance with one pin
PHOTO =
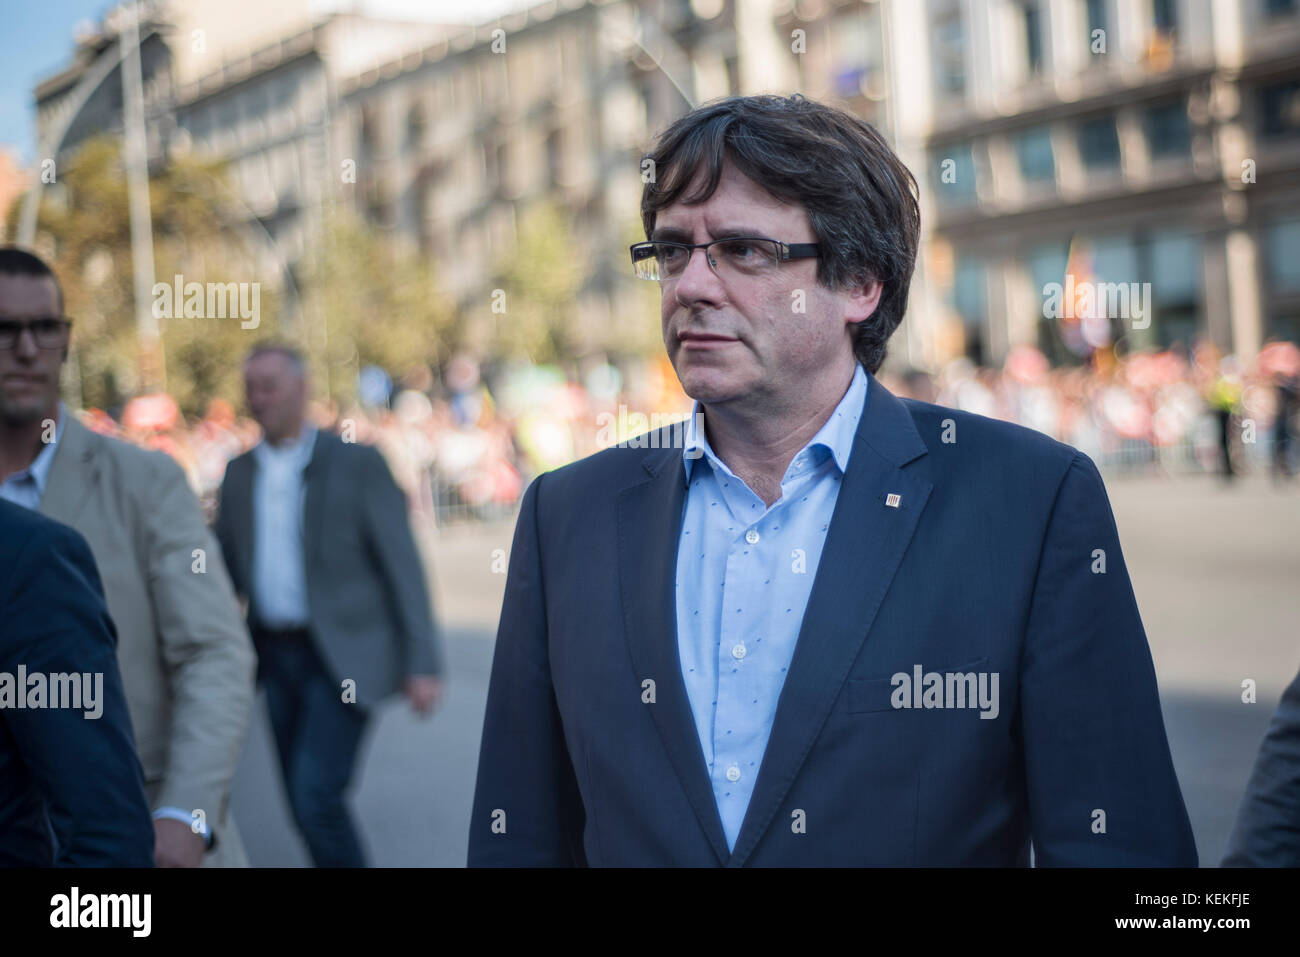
(21, 442)
(288, 439)
(758, 445)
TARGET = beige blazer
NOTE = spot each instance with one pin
(186, 660)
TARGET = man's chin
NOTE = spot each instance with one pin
(710, 388)
(20, 414)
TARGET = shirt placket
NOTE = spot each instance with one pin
(737, 642)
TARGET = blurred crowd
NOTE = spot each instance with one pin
(468, 447)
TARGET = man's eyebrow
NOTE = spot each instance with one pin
(675, 234)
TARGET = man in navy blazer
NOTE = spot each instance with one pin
(817, 624)
(71, 786)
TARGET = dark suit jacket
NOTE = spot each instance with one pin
(370, 614)
(986, 564)
(1267, 833)
(57, 767)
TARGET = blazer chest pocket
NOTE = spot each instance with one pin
(870, 695)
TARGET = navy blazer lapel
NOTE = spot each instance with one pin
(649, 527)
(863, 549)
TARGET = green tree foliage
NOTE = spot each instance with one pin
(541, 279)
(83, 228)
(370, 301)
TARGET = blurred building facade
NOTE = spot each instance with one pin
(1122, 140)
(1160, 137)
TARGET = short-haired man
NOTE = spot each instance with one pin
(836, 627)
(186, 661)
(316, 535)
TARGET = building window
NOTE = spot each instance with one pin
(1169, 132)
(1175, 270)
(1046, 264)
(495, 159)
(1282, 244)
(1279, 109)
(1097, 21)
(554, 159)
(1034, 154)
(1164, 15)
(856, 55)
(1032, 22)
(415, 127)
(970, 302)
(954, 175)
(1099, 143)
(949, 56)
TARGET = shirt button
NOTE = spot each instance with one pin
(738, 650)
(733, 773)
(751, 536)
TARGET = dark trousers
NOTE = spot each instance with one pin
(317, 736)
(1225, 443)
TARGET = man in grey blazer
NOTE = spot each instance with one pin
(316, 536)
(186, 661)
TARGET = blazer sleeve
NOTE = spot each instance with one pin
(527, 809)
(1267, 832)
(1101, 783)
(204, 644)
(86, 767)
(393, 548)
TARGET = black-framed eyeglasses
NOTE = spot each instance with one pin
(660, 259)
(48, 333)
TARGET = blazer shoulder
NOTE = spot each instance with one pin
(610, 470)
(134, 460)
(946, 429)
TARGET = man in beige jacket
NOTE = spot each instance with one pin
(186, 660)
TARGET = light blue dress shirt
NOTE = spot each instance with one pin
(279, 576)
(27, 487)
(744, 574)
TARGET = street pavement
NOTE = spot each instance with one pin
(1216, 572)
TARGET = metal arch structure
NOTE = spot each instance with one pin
(80, 96)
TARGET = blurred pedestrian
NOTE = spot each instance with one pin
(71, 785)
(185, 658)
(1224, 398)
(316, 535)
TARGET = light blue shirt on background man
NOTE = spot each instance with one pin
(279, 574)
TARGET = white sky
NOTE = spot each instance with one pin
(470, 11)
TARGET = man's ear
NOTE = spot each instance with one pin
(861, 297)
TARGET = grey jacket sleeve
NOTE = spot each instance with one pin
(393, 546)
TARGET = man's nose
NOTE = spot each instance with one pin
(698, 282)
(25, 347)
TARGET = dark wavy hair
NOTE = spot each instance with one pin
(860, 199)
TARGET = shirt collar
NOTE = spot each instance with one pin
(836, 435)
(39, 470)
(298, 451)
